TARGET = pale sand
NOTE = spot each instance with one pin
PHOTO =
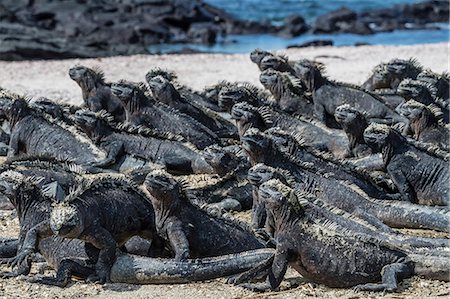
(349, 64)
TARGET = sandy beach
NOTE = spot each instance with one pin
(349, 64)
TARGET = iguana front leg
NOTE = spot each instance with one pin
(178, 240)
(103, 240)
(402, 183)
(31, 241)
(13, 149)
(276, 273)
(390, 274)
(67, 268)
(115, 149)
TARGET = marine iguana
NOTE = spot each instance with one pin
(164, 91)
(36, 134)
(211, 93)
(439, 82)
(191, 231)
(425, 124)
(232, 94)
(96, 92)
(390, 74)
(141, 109)
(202, 100)
(288, 92)
(75, 257)
(380, 213)
(141, 143)
(311, 246)
(353, 123)
(105, 212)
(421, 92)
(420, 176)
(59, 111)
(278, 63)
(261, 173)
(328, 95)
(314, 134)
(257, 55)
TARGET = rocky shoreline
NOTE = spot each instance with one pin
(86, 28)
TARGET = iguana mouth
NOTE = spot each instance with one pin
(73, 74)
(253, 178)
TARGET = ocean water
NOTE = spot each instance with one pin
(276, 10)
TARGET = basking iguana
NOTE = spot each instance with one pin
(327, 95)
(353, 123)
(288, 92)
(257, 55)
(232, 94)
(124, 143)
(346, 196)
(261, 173)
(323, 252)
(278, 63)
(314, 134)
(425, 124)
(390, 74)
(36, 134)
(421, 177)
(439, 82)
(164, 91)
(141, 109)
(96, 92)
(191, 231)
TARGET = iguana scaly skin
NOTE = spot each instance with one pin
(144, 144)
(232, 94)
(261, 149)
(419, 176)
(192, 232)
(96, 92)
(439, 82)
(328, 95)
(141, 109)
(288, 92)
(321, 252)
(35, 134)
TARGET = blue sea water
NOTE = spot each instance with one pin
(276, 10)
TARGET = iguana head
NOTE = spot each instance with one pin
(273, 62)
(309, 73)
(168, 75)
(94, 124)
(380, 78)
(220, 159)
(270, 78)
(212, 92)
(377, 136)
(256, 144)
(10, 181)
(347, 115)
(230, 95)
(162, 186)
(260, 173)
(412, 89)
(275, 195)
(48, 106)
(124, 91)
(258, 54)
(419, 114)
(65, 221)
(86, 77)
(247, 116)
(162, 89)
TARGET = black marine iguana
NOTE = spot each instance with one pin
(261, 173)
(390, 74)
(191, 231)
(439, 82)
(144, 110)
(257, 55)
(164, 91)
(314, 134)
(288, 92)
(141, 143)
(278, 63)
(328, 95)
(232, 94)
(323, 252)
(424, 124)
(261, 149)
(353, 123)
(96, 92)
(36, 134)
(420, 177)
